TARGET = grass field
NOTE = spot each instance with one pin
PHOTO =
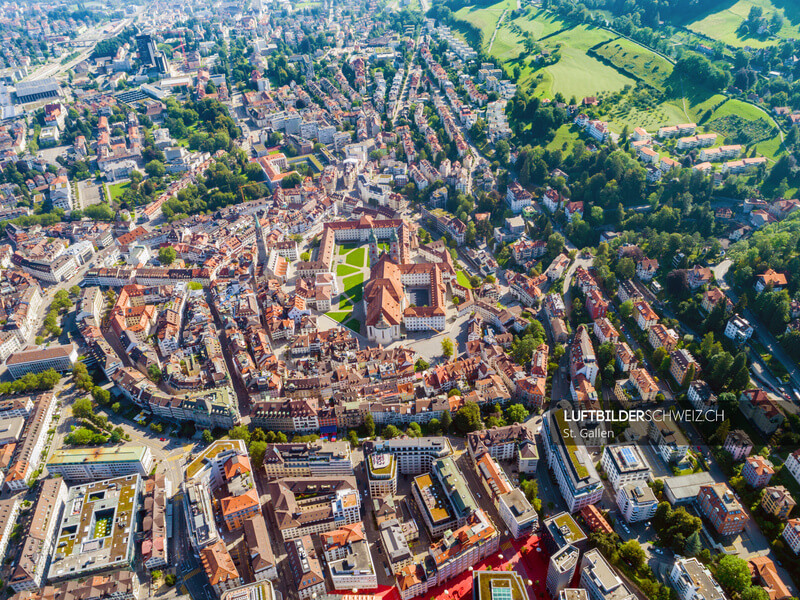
(354, 324)
(339, 316)
(769, 147)
(632, 58)
(353, 286)
(463, 280)
(356, 257)
(115, 190)
(722, 24)
(344, 270)
(485, 17)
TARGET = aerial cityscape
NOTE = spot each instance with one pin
(399, 299)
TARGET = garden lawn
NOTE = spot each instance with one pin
(115, 190)
(463, 280)
(344, 270)
(356, 257)
(339, 316)
(566, 134)
(354, 324)
(353, 286)
(345, 248)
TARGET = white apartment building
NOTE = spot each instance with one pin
(9, 510)
(693, 581)
(636, 502)
(414, 455)
(37, 548)
(624, 464)
(517, 513)
(92, 464)
(792, 464)
(791, 535)
(30, 451)
(382, 475)
(561, 569)
(600, 580)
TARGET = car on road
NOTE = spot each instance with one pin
(162, 439)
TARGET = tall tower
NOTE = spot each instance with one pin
(373, 247)
(394, 247)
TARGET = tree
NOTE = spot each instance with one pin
(169, 579)
(626, 268)
(448, 348)
(240, 432)
(414, 430)
(167, 255)
(468, 418)
(81, 377)
(421, 365)
(257, 451)
(626, 309)
(75, 290)
(101, 396)
(155, 168)
(632, 553)
(689, 377)
(434, 426)
(207, 437)
(754, 593)
(693, 545)
(733, 574)
(447, 420)
(116, 407)
(352, 437)
(305, 256)
(390, 431)
(516, 413)
(154, 373)
(369, 425)
(82, 408)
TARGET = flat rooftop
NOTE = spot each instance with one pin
(97, 528)
(433, 497)
(497, 585)
(75, 456)
(564, 529)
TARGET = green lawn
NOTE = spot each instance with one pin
(566, 134)
(356, 257)
(345, 248)
(353, 286)
(339, 316)
(576, 73)
(485, 18)
(463, 280)
(354, 324)
(722, 23)
(115, 190)
(344, 270)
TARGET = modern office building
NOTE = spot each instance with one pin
(37, 549)
(260, 590)
(312, 459)
(382, 475)
(520, 517)
(91, 464)
(498, 585)
(97, 528)
(623, 464)
(199, 514)
(561, 569)
(395, 545)
(414, 455)
(600, 581)
(37, 360)
(562, 530)
(693, 581)
(636, 502)
(569, 460)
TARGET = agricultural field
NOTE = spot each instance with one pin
(722, 24)
(576, 73)
(637, 61)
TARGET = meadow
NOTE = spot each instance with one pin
(723, 23)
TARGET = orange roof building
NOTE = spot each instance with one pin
(235, 509)
(219, 567)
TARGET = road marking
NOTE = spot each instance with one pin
(191, 574)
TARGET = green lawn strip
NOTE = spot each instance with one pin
(356, 257)
(354, 324)
(345, 248)
(344, 270)
(339, 316)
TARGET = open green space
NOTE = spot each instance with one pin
(463, 280)
(722, 22)
(485, 17)
(354, 324)
(339, 316)
(344, 270)
(345, 248)
(353, 286)
(357, 257)
(566, 134)
(637, 61)
(115, 190)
